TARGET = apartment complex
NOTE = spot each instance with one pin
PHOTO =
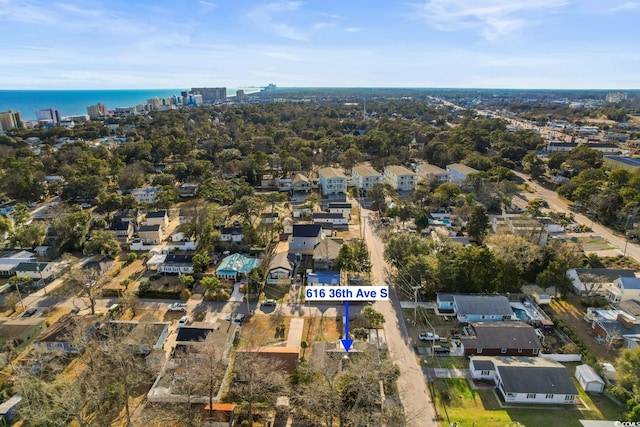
(97, 111)
(210, 94)
(365, 177)
(10, 120)
(400, 178)
(50, 115)
(332, 181)
(433, 173)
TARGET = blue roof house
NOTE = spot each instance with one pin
(236, 265)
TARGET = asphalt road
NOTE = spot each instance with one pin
(559, 205)
(412, 385)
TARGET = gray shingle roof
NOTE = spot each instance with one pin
(483, 304)
(507, 335)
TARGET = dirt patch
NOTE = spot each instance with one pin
(620, 262)
(272, 329)
(571, 312)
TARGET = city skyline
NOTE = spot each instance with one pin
(551, 44)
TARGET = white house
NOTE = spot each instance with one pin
(432, 173)
(150, 234)
(623, 289)
(34, 270)
(460, 172)
(280, 268)
(146, 195)
(589, 380)
(8, 262)
(180, 264)
(365, 177)
(332, 181)
(560, 146)
(342, 208)
(330, 218)
(160, 218)
(531, 380)
(300, 182)
(231, 234)
(400, 178)
(304, 238)
(594, 280)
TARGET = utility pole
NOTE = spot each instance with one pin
(24, 307)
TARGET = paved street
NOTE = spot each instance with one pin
(559, 205)
(411, 384)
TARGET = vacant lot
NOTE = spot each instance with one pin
(571, 312)
(272, 329)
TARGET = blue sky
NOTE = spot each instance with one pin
(94, 44)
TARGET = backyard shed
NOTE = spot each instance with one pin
(589, 380)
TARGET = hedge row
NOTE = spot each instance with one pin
(589, 357)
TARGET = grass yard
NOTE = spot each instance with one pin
(449, 362)
(457, 402)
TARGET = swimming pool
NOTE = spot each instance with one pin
(521, 313)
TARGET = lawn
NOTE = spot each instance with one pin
(454, 362)
(479, 408)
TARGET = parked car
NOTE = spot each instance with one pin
(177, 306)
(438, 349)
(183, 321)
(228, 317)
(428, 336)
(29, 312)
(239, 319)
(269, 303)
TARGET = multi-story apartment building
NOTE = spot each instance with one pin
(146, 194)
(433, 173)
(10, 120)
(400, 178)
(365, 177)
(97, 111)
(211, 94)
(460, 172)
(332, 181)
(50, 115)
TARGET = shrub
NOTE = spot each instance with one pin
(145, 285)
(154, 277)
(185, 294)
(360, 333)
(125, 283)
(132, 257)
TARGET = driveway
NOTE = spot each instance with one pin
(412, 386)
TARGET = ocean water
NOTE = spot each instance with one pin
(75, 102)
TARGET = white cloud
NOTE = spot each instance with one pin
(268, 17)
(352, 30)
(493, 18)
(626, 6)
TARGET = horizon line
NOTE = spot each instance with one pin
(335, 87)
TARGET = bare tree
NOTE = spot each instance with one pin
(592, 282)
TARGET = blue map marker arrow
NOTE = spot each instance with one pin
(347, 343)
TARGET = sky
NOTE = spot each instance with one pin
(135, 44)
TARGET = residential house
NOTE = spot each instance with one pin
(588, 379)
(236, 265)
(141, 337)
(614, 327)
(220, 414)
(332, 181)
(280, 268)
(459, 172)
(530, 380)
(339, 207)
(478, 308)
(188, 190)
(304, 238)
(432, 173)
(560, 146)
(323, 278)
(604, 147)
(122, 230)
(19, 331)
(300, 183)
(325, 254)
(330, 218)
(400, 178)
(9, 408)
(146, 194)
(35, 270)
(10, 260)
(68, 335)
(101, 264)
(160, 218)
(501, 339)
(630, 164)
(445, 303)
(269, 217)
(624, 288)
(285, 357)
(529, 228)
(231, 234)
(287, 224)
(135, 216)
(150, 234)
(365, 177)
(180, 264)
(595, 280)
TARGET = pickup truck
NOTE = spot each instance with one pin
(177, 306)
(429, 336)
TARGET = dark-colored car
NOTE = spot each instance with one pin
(239, 319)
(30, 312)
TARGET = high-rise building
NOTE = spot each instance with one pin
(50, 115)
(615, 97)
(211, 94)
(10, 120)
(97, 111)
(241, 96)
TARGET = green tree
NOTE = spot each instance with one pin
(21, 214)
(187, 280)
(210, 283)
(373, 317)
(533, 165)
(378, 195)
(201, 262)
(102, 242)
(478, 223)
